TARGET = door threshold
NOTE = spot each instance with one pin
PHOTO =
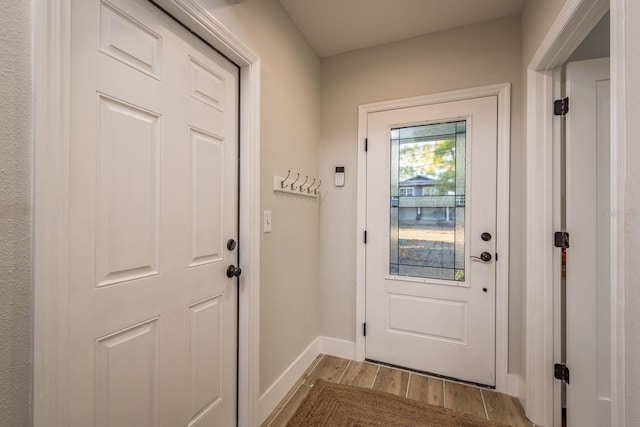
(431, 374)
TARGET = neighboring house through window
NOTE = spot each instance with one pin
(406, 191)
(419, 185)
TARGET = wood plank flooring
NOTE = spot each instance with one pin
(473, 400)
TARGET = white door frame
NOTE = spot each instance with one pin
(503, 92)
(51, 94)
(573, 24)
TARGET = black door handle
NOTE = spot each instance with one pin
(233, 271)
(484, 257)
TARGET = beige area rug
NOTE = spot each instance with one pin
(329, 404)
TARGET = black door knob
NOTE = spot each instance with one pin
(233, 271)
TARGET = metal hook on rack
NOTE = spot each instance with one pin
(284, 180)
(297, 178)
(302, 185)
(311, 185)
(315, 190)
(297, 186)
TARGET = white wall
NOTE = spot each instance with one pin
(290, 129)
(471, 56)
(537, 18)
(15, 213)
(632, 219)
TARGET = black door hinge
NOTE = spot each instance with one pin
(561, 239)
(364, 329)
(366, 144)
(365, 237)
(561, 107)
(561, 372)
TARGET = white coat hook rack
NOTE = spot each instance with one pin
(297, 185)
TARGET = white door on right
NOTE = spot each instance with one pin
(431, 233)
(588, 203)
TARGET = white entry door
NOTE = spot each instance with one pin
(588, 343)
(153, 202)
(431, 234)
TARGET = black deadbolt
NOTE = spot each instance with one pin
(485, 236)
(484, 289)
(231, 244)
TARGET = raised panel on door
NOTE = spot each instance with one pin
(206, 84)
(128, 175)
(207, 184)
(206, 324)
(414, 315)
(129, 41)
(126, 380)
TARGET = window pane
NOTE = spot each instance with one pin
(428, 201)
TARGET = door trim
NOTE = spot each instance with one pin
(503, 92)
(51, 93)
(573, 24)
(618, 191)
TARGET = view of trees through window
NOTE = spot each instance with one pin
(435, 159)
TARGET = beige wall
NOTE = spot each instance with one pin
(290, 129)
(537, 18)
(472, 56)
(15, 213)
(632, 224)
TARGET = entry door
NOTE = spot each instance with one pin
(153, 201)
(588, 342)
(431, 233)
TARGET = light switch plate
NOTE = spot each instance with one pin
(266, 224)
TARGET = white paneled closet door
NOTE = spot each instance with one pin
(588, 339)
(153, 183)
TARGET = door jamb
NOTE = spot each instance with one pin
(557, 257)
(618, 190)
(503, 92)
(574, 22)
(51, 93)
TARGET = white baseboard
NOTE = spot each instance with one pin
(516, 387)
(337, 347)
(513, 385)
(280, 387)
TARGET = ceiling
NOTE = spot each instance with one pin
(336, 26)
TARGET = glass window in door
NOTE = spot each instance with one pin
(427, 207)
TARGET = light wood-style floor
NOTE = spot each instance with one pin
(473, 400)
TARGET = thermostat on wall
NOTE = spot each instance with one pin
(339, 176)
